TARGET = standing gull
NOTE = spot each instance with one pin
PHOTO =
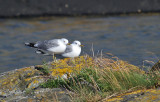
(50, 47)
(72, 50)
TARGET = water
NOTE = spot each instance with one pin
(131, 38)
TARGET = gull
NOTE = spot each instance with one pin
(50, 47)
(72, 50)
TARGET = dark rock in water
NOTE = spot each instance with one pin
(156, 66)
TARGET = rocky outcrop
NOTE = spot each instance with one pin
(22, 85)
(26, 84)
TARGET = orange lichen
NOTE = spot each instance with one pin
(68, 66)
(114, 99)
(150, 95)
(29, 85)
(153, 91)
(135, 92)
(24, 69)
(35, 81)
(13, 79)
(61, 92)
(154, 97)
(4, 83)
(28, 79)
(60, 72)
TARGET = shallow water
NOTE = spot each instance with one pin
(131, 38)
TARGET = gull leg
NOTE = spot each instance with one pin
(54, 58)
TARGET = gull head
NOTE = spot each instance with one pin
(65, 41)
(76, 42)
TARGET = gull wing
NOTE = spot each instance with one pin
(44, 45)
(68, 49)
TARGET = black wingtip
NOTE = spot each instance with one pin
(29, 44)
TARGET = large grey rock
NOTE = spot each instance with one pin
(23, 85)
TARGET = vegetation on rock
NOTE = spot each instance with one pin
(94, 79)
(83, 78)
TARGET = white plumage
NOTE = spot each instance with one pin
(73, 50)
(50, 47)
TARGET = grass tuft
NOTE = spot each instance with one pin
(92, 79)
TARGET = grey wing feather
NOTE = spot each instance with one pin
(44, 45)
(68, 49)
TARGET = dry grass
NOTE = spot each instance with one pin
(93, 79)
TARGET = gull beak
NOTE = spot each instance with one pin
(82, 45)
(68, 44)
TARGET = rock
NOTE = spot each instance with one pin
(156, 66)
(22, 85)
(34, 82)
(52, 95)
(15, 80)
(40, 95)
(149, 95)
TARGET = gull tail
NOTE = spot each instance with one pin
(42, 52)
(30, 44)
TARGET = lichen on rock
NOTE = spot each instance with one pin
(22, 85)
(14, 80)
(143, 95)
(26, 84)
